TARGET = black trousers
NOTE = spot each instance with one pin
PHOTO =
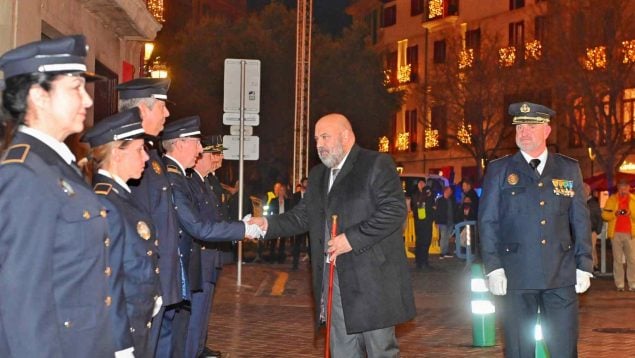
(559, 321)
(423, 232)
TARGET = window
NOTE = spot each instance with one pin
(391, 68)
(517, 34)
(439, 51)
(439, 122)
(389, 17)
(438, 9)
(372, 20)
(516, 4)
(473, 41)
(411, 127)
(105, 95)
(540, 28)
(416, 7)
(628, 114)
(412, 57)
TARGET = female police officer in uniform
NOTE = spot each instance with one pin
(53, 261)
(117, 152)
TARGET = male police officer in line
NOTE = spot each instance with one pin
(181, 141)
(153, 193)
(536, 238)
(210, 207)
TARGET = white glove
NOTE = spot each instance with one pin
(125, 353)
(157, 305)
(497, 282)
(253, 231)
(582, 281)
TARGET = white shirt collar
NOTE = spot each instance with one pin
(117, 179)
(57, 146)
(542, 157)
(177, 163)
(199, 175)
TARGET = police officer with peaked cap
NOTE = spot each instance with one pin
(210, 259)
(117, 150)
(536, 238)
(152, 192)
(181, 140)
(53, 256)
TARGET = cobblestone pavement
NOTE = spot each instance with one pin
(270, 315)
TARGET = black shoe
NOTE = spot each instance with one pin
(208, 353)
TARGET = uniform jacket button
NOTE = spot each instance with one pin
(156, 242)
(164, 188)
(107, 242)
(103, 213)
(542, 222)
(149, 324)
(544, 242)
(108, 301)
(68, 324)
(132, 329)
(108, 271)
(86, 215)
(542, 203)
(156, 270)
(149, 253)
(540, 184)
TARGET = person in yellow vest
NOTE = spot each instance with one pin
(619, 212)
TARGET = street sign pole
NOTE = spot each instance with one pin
(241, 150)
(242, 82)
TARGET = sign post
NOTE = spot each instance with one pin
(241, 102)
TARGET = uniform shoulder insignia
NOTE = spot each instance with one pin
(16, 154)
(501, 158)
(173, 169)
(567, 157)
(102, 188)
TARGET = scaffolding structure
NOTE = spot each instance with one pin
(302, 90)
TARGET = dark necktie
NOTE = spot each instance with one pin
(334, 173)
(534, 163)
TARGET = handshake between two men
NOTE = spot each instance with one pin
(256, 228)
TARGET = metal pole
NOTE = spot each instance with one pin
(241, 149)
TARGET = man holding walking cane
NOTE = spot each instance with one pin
(372, 291)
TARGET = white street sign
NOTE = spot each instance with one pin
(231, 118)
(231, 95)
(232, 143)
(235, 130)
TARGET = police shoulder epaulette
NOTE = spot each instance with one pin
(497, 159)
(16, 154)
(567, 157)
(102, 188)
(173, 169)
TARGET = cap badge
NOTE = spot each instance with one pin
(525, 108)
(512, 179)
(66, 187)
(143, 230)
(156, 167)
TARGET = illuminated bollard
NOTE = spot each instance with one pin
(483, 310)
(541, 346)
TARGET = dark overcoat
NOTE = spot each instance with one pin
(367, 198)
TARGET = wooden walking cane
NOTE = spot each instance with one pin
(329, 302)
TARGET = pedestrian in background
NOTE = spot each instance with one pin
(595, 213)
(55, 298)
(444, 218)
(372, 290)
(619, 211)
(117, 153)
(422, 204)
(536, 238)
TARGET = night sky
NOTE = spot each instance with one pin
(329, 18)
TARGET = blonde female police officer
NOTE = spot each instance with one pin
(118, 154)
(53, 229)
